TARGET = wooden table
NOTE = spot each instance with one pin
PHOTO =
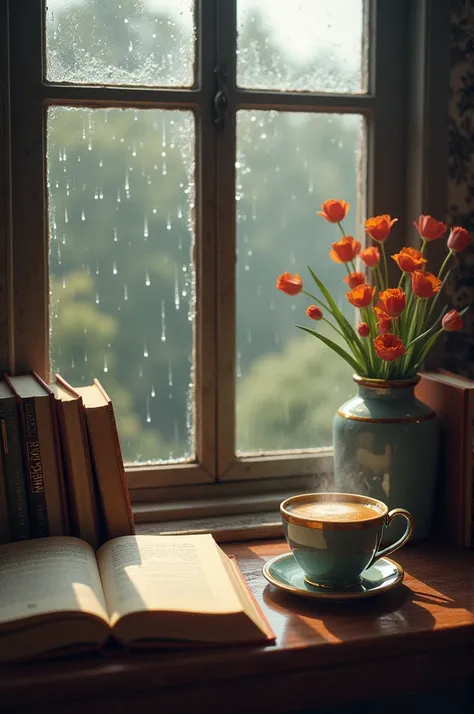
(417, 636)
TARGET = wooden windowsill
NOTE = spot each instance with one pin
(417, 636)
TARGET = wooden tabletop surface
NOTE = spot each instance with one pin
(416, 636)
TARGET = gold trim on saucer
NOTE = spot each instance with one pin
(310, 498)
(401, 420)
(327, 593)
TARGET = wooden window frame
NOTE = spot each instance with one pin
(405, 111)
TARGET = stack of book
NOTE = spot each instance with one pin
(452, 398)
(61, 467)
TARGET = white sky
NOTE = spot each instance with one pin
(299, 27)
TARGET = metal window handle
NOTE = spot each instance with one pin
(221, 100)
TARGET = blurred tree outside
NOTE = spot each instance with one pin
(121, 203)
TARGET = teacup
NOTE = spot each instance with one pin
(336, 536)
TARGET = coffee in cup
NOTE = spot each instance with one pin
(336, 536)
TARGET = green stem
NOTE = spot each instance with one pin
(342, 229)
(334, 328)
(445, 261)
(423, 247)
(401, 280)
(385, 266)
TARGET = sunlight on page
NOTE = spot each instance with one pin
(49, 575)
(175, 573)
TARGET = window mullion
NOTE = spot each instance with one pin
(226, 240)
(205, 247)
(30, 255)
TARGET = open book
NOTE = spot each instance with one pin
(58, 596)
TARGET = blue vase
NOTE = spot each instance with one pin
(386, 446)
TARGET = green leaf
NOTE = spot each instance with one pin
(349, 332)
(336, 348)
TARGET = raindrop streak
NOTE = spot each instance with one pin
(97, 301)
(148, 416)
(115, 236)
(97, 271)
(145, 228)
(170, 375)
(153, 393)
(176, 290)
(106, 366)
(83, 215)
(163, 324)
(114, 268)
(85, 356)
(168, 223)
(147, 280)
(66, 217)
(145, 351)
(125, 292)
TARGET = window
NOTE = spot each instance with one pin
(167, 161)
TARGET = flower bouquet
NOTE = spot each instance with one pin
(399, 325)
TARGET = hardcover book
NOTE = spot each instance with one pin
(77, 467)
(44, 479)
(452, 398)
(13, 466)
(58, 596)
(107, 461)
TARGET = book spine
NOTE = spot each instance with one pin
(123, 477)
(14, 470)
(34, 471)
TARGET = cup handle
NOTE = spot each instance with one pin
(405, 537)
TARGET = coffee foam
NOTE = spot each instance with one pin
(336, 511)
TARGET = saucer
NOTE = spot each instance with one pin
(285, 573)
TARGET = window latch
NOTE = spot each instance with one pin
(221, 99)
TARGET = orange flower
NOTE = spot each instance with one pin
(379, 227)
(392, 301)
(384, 321)
(459, 239)
(334, 211)
(363, 329)
(361, 296)
(425, 285)
(289, 285)
(354, 279)
(409, 259)
(370, 256)
(389, 347)
(345, 250)
(314, 312)
(452, 321)
(429, 228)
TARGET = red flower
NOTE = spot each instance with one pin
(363, 329)
(459, 239)
(314, 312)
(409, 260)
(389, 347)
(379, 227)
(289, 285)
(429, 228)
(345, 250)
(334, 211)
(452, 321)
(384, 321)
(361, 296)
(354, 279)
(392, 301)
(370, 256)
(425, 285)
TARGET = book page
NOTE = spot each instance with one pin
(49, 575)
(167, 573)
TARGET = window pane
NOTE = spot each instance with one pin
(129, 42)
(310, 45)
(121, 194)
(288, 383)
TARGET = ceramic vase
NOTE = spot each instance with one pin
(386, 445)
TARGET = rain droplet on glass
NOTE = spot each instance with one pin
(125, 292)
(114, 268)
(147, 280)
(163, 324)
(145, 351)
(148, 415)
(106, 366)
